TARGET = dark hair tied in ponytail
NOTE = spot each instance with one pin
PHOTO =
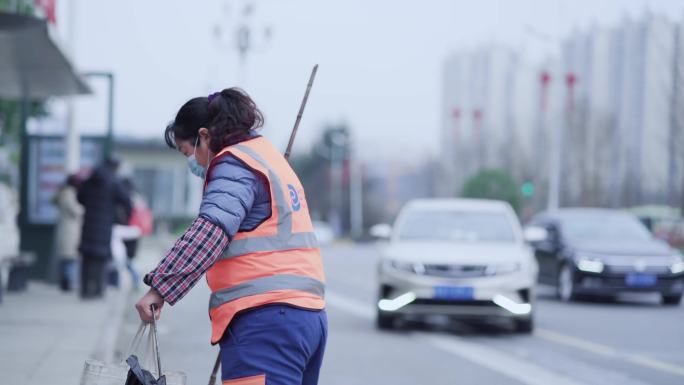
(232, 115)
(229, 115)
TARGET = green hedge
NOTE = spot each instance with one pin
(493, 184)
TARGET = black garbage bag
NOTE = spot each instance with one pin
(139, 376)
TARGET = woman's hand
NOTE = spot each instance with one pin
(144, 305)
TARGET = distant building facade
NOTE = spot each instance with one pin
(162, 177)
(622, 124)
(621, 119)
(488, 114)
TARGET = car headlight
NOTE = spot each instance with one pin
(410, 267)
(677, 267)
(590, 264)
(507, 268)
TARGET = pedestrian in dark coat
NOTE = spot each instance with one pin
(100, 195)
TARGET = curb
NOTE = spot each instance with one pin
(105, 347)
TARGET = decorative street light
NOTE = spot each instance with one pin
(246, 38)
(557, 159)
(479, 140)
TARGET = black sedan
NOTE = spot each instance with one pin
(603, 252)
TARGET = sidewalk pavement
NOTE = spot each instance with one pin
(46, 335)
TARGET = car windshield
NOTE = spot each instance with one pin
(603, 228)
(456, 226)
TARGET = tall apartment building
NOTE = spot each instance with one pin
(487, 113)
(620, 146)
(622, 124)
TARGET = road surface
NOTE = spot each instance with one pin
(629, 342)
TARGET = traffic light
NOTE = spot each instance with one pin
(527, 189)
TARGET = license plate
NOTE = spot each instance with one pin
(641, 280)
(454, 292)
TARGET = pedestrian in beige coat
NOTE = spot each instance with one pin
(68, 231)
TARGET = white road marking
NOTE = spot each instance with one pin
(363, 310)
(607, 351)
(492, 359)
(575, 342)
(498, 361)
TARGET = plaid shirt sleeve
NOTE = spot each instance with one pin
(192, 254)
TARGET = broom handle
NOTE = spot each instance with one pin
(212, 379)
(301, 112)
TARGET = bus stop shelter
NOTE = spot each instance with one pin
(33, 68)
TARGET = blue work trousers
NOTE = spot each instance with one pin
(274, 345)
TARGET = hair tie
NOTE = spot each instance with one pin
(212, 96)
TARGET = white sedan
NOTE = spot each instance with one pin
(462, 258)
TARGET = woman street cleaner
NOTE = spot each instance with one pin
(254, 239)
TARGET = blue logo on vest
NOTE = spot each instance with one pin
(294, 197)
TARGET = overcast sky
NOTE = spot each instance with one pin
(380, 61)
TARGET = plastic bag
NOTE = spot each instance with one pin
(140, 376)
(96, 372)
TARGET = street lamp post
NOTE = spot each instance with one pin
(355, 192)
(557, 160)
(338, 141)
(540, 150)
(109, 139)
(479, 140)
(456, 117)
(675, 136)
(456, 148)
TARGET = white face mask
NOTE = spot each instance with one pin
(194, 165)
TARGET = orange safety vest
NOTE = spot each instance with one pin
(277, 262)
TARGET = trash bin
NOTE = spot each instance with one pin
(19, 272)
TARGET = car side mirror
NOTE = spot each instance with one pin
(534, 234)
(381, 231)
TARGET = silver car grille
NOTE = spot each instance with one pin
(455, 271)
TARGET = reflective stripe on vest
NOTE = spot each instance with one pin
(292, 270)
(285, 239)
(266, 284)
